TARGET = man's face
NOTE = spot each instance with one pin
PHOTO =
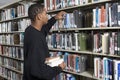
(44, 16)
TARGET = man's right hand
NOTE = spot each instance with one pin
(62, 65)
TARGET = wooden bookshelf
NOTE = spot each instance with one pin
(88, 74)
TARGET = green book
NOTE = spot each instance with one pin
(118, 43)
(82, 41)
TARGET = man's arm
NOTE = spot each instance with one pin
(46, 28)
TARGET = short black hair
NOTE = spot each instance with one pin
(34, 9)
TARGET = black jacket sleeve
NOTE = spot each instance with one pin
(46, 28)
(38, 68)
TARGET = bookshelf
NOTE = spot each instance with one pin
(13, 21)
(89, 29)
(99, 55)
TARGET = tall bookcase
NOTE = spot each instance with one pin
(80, 34)
(13, 21)
(90, 29)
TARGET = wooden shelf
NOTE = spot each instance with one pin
(11, 57)
(107, 55)
(12, 69)
(3, 77)
(16, 45)
(86, 29)
(70, 29)
(72, 51)
(88, 74)
(12, 32)
(14, 19)
(84, 52)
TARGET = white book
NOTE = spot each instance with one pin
(54, 61)
(105, 42)
(99, 17)
(116, 69)
(51, 4)
(119, 14)
(76, 41)
(97, 67)
(94, 17)
(110, 17)
(0, 28)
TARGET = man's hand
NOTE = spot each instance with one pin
(50, 58)
(60, 15)
(62, 65)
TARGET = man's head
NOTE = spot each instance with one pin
(37, 12)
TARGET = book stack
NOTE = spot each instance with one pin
(55, 61)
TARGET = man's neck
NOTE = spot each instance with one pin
(37, 25)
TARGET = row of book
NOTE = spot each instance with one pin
(74, 63)
(65, 76)
(108, 15)
(68, 76)
(106, 68)
(17, 11)
(12, 64)
(106, 42)
(70, 41)
(101, 16)
(19, 25)
(13, 52)
(75, 19)
(12, 39)
(10, 75)
(60, 4)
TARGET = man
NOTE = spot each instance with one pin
(35, 46)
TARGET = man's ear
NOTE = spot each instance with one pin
(39, 16)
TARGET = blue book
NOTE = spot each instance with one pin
(97, 17)
(105, 68)
(110, 64)
(77, 66)
(66, 59)
(54, 41)
(118, 71)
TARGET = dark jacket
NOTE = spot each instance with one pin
(35, 53)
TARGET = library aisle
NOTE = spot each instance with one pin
(87, 39)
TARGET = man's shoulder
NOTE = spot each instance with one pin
(28, 28)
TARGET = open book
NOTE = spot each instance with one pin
(54, 61)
